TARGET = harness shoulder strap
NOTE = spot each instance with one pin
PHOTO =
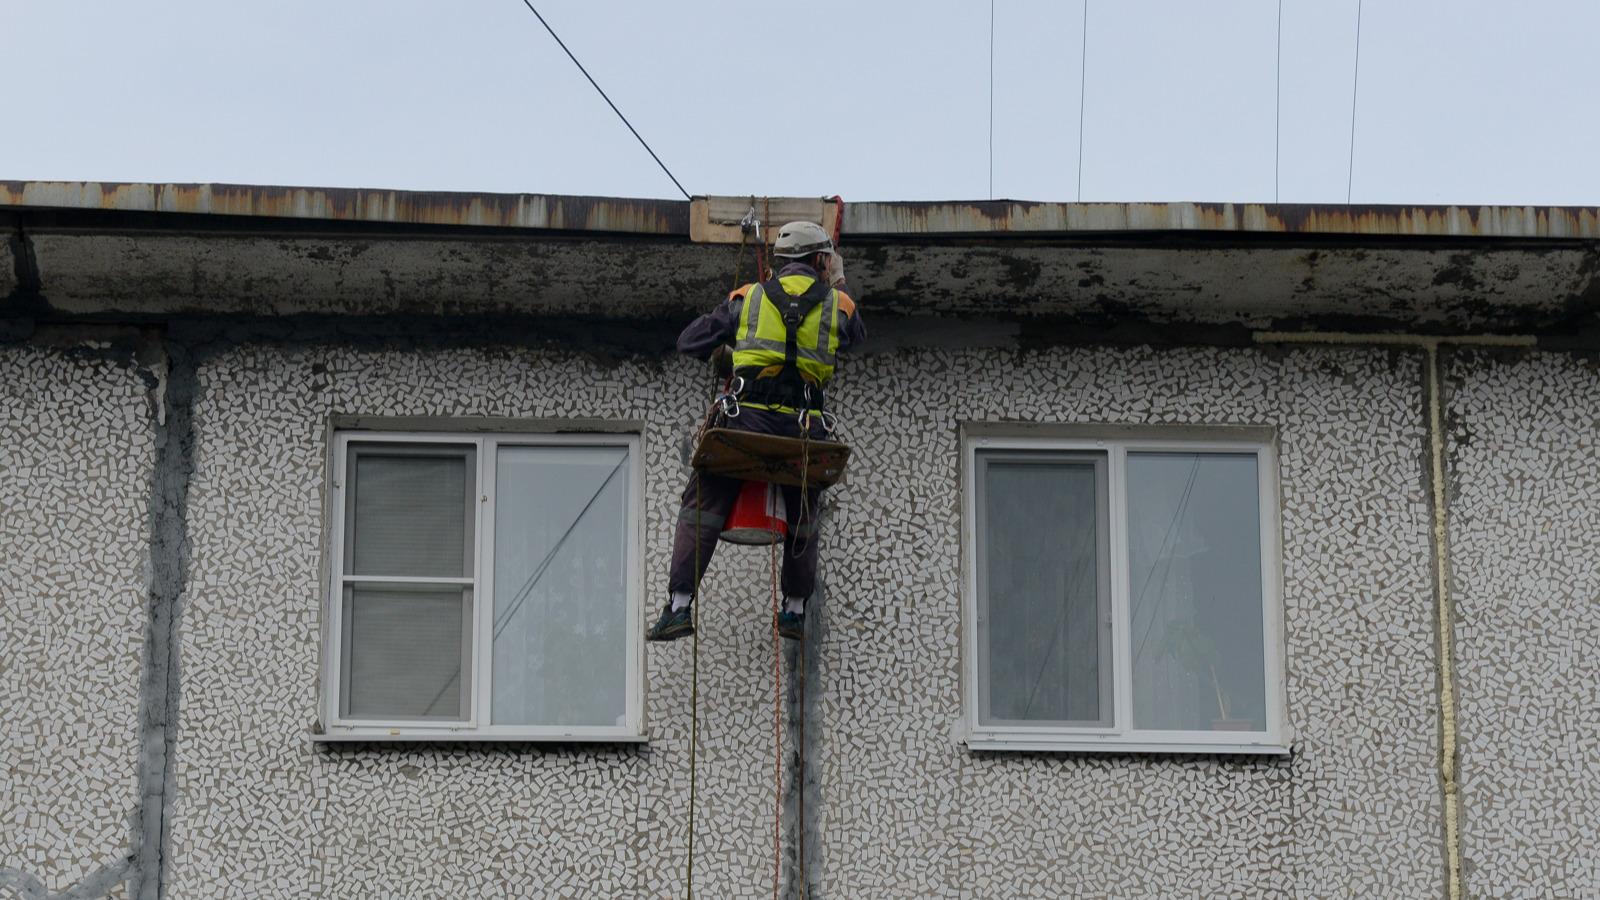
(794, 310)
(795, 306)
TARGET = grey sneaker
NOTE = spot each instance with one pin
(672, 624)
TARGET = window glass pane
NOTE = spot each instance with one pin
(408, 512)
(1043, 591)
(1194, 555)
(560, 606)
(403, 653)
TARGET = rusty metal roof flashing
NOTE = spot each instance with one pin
(147, 251)
(715, 219)
(357, 205)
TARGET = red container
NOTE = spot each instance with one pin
(758, 516)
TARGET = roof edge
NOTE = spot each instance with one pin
(475, 210)
(715, 219)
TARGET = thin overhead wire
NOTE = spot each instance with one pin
(1355, 88)
(1277, 108)
(991, 99)
(1083, 77)
(603, 96)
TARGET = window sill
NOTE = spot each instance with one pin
(448, 735)
(1037, 744)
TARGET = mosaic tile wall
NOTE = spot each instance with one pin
(76, 447)
(907, 812)
(259, 806)
(1525, 469)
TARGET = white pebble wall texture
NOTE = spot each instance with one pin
(906, 810)
(1525, 469)
(76, 448)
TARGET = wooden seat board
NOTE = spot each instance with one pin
(749, 456)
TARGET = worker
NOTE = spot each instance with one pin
(785, 333)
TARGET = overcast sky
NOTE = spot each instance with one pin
(1465, 101)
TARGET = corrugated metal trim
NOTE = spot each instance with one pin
(673, 217)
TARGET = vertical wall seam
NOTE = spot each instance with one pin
(168, 572)
(802, 795)
(1449, 786)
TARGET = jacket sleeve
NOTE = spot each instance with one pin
(713, 329)
(852, 334)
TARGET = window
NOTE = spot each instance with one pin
(1122, 594)
(484, 586)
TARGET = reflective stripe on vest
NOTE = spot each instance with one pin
(759, 341)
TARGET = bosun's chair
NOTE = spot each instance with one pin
(761, 462)
(748, 456)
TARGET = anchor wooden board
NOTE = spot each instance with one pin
(766, 457)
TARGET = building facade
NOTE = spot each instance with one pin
(1186, 551)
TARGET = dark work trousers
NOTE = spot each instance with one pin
(713, 497)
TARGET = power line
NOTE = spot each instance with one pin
(1083, 78)
(613, 106)
(1355, 87)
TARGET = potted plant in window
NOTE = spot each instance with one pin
(1186, 642)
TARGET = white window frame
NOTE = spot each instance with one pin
(1122, 737)
(480, 668)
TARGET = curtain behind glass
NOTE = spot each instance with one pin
(1194, 555)
(1043, 593)
(560, 606)
(402, 656)
(409, 515)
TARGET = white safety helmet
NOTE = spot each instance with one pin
(798, 240)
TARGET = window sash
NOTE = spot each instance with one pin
(404, 450)
(984, 551)
(476, 723)
(1120, 736)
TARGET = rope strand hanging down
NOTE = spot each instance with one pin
(777, 726)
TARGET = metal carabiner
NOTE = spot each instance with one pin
(728, 400)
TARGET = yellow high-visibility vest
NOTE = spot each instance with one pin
(760, 342)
